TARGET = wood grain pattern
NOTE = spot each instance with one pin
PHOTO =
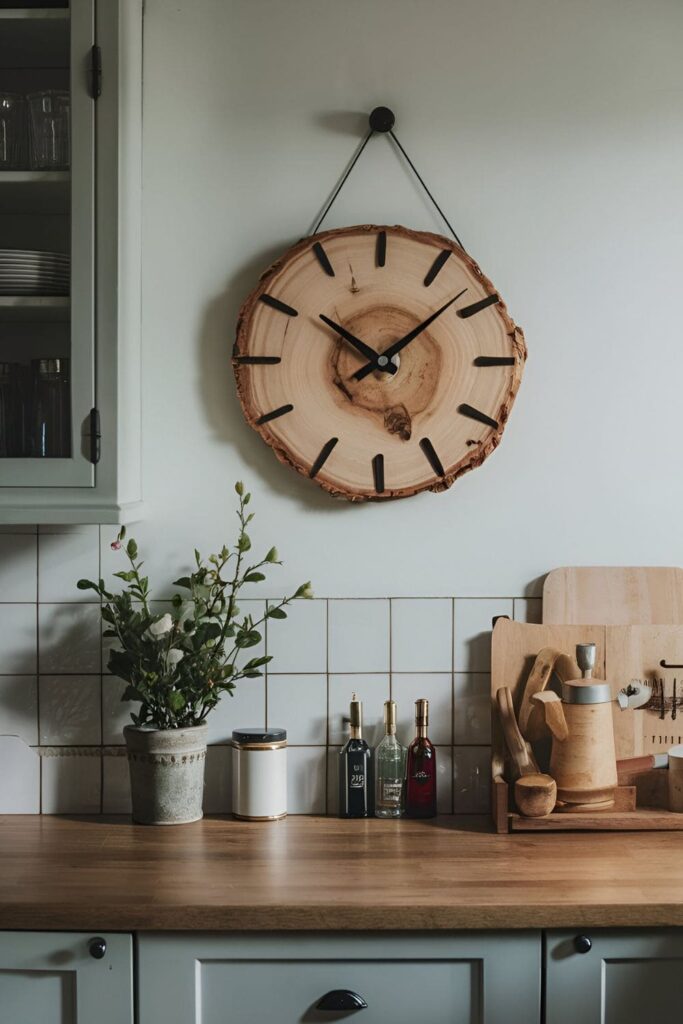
(614, 595)
(323, 874)
(384, 413)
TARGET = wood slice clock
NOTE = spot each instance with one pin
(378, 361)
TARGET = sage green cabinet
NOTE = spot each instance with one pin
(468, 978)
(70, 363)
(54, 978)
(614, 977)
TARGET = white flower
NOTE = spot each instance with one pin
(159, 629)
(174, 656)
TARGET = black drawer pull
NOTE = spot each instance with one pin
(97, 947)
(582, 944)
(342, 999)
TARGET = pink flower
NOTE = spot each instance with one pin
(116, 545)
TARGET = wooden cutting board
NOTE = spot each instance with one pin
(613, 595)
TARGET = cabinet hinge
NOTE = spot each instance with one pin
(95, 436)
(95, 72)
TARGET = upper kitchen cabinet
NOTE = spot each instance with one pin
(70, 162)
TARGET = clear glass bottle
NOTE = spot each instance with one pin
(420, 799)
(356, 783)
(390, 764)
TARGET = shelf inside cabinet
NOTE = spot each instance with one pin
(34, 37)
(34, 191)
(29, 308)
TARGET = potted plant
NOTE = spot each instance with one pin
(178, 664)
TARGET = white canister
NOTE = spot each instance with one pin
(676, 778)
(259, 774)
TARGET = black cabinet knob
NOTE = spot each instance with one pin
(97, 947)
(582, 944)
(342, 999)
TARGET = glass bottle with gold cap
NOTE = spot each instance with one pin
(420, 798)
(390, 763)
(356, 783)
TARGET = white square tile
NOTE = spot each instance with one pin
(20, 774)
(437, 687)
(70, 638)
(472, 708)
(115, 712)
(422, 635)
(244, 710)
(19, 707)
(71, 783)
(18, 567)
(306, 782)
(528, 609)
(299, 642)
(65, 558)
(70, 710)
(18, 638)
(115, 785)
(218, 781)
(359, 636)
(444, 780)
(372, 690)
(471, 780)
(333, 781)
(299, 705)
(472, 625)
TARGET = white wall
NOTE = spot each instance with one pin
(552, 134)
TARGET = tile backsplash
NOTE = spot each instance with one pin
(57, 697)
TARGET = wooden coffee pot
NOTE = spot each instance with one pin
(583, 759)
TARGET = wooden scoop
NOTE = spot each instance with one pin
(535, 797)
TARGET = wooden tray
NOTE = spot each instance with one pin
(623, 653)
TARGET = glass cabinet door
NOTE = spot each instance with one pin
(47, 185)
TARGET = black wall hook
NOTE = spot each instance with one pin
(382, 119)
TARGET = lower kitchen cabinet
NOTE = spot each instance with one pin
(65, 978)
(467, 978)
(614, 977)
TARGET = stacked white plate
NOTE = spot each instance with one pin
(26, 272)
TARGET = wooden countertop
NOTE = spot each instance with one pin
(303, 873)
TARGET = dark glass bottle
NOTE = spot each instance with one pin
(420, 797)
(356, 782)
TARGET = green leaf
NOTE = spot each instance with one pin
(126, 575)
(272, 556)
(247, 638)
(185, 582)
(254, 577)
(276, 613)
(305, 591)
(244, 543)
(132, 549)
(239, 488)
(88, 585)
(252, 675)
(176, 700)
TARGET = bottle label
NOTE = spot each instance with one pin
(390, 791)
(357, 780)
(421, 776)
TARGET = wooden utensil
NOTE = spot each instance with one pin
(548, 661)
(535, 795)
(614, 595)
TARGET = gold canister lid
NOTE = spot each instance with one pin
(390, 716)
(422, 711)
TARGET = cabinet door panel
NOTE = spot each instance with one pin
(52, 978)
(625, 978)
(463, 979)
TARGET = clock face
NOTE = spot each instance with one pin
(377, 361)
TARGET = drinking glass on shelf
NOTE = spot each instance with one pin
(12, 411)
(51, 408)
(50, 133)
(12, 131)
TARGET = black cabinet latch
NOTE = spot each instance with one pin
(95, 72)
(95, 436)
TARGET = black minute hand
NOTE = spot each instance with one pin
(406, 340)
(359, 345)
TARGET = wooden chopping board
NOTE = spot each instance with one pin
(613, 595)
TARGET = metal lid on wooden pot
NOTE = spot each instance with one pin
(586, 691)
(259, 737)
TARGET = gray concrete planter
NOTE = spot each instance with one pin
(166, 773)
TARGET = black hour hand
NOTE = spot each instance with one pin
(360, 346)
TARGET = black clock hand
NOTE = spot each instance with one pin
(394, 349)
(359, 345)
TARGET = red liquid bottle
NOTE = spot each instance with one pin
(420, 799)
